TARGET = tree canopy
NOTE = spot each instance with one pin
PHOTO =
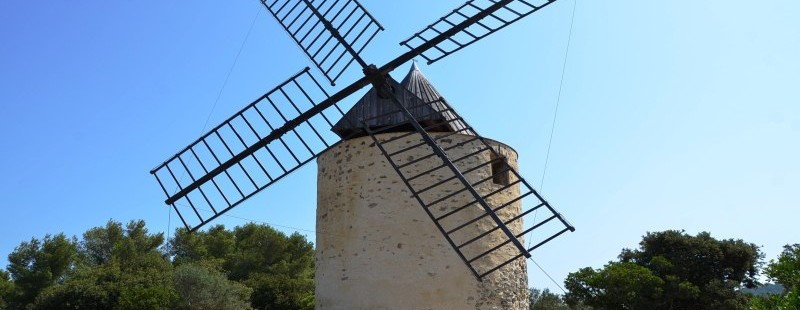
(671, 270)
(121, 267)
(253, 266)
(279, 268)
(118, 268)
(6, 287)
(785, 271)
(37, 264)
(205, 289)
(545, 300)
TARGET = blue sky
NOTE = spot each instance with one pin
(673, 114)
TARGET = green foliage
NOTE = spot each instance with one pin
(209, 248)
(786, 271)
(121, 267)
(6, 287)
(790, 300)
(278, 268)
(700, 259)
(281, 291)
(145, 282)
(99, 242)
(37, 265)
(671, 270)
(203, 289)
(619, 285)
(86, 289)
(142, 283)
(546, 300)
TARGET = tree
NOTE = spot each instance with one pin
(98, 243)
(6, 287)
(278, 268)
(209, 248)
(202, 289)
(671, 270)
(619, 285)
(88, 288)
(785, 271)
(36, 265)
(121, 268)
(545, 300)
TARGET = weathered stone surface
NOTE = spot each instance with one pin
(378, 249)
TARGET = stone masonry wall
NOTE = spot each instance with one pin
(378, 249)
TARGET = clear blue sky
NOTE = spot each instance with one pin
(674, 114)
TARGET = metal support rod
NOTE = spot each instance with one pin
(252, 104)
(439, 152)
(335, 34)
(330, 101)
(419, 199)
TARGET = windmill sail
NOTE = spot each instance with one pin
(249, 151)
(469, 23)
(473, 227)
(331, 33)
(290, 126)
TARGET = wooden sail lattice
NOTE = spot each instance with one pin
(290, 126)
(330, 32)
(246, 154)
(489, 15)
(435, 179)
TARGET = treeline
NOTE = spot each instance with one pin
(257, 267)
(126, 267)
(676, 271)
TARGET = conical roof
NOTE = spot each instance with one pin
(419, 85)
(415, 93)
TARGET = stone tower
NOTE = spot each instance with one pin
(376, 246)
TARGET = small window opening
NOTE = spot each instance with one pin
(500, 169)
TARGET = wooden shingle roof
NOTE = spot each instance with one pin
(415, 93)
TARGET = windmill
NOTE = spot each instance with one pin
(442, 163)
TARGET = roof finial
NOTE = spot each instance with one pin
(414, 66)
